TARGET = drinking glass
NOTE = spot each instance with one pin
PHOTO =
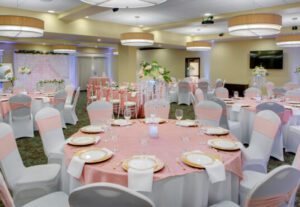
(127, 114)
(114, 139)
(179, 114)
(236, 94)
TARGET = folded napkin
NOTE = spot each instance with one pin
(186, 123)
(140, 180)
(76, 165)
(215, 130)
(122, 122)
(216, 172)
(97, 139)
(46, 99)
(236, 107)
(154, 120)
(296, 111)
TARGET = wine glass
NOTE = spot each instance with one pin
(236, 94)
(179, 114)
(114, 139)
(185, 140)
(127, 114)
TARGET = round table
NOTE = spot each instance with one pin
(176, 184)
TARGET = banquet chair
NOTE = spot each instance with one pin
(292, 139)
(57, 199)
(70, 92)
(293, 95)
(50, 128)
(277, 150)
(90, 93)
(159, 107)
(131, 102)
(203, 85)
(269, 87)
(107, 194)
(199, 96)
(173, 90)
(219, 83)
(233, 126)
(26, 183)
(221, 92)
(184, 93)
(290, 86)
(69, 112)
(59, 102)
(265, 128)
(252, 178)
(278, 92)
(252, 92)
(276, 189)
(208, 113)
(99, 112)
(20, 116)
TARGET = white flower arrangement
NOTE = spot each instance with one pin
(8, 74)
(154, 71)
(259, 71)
(297, 70)
(24, 71)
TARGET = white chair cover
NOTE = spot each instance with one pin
(70, 116)
(107, 194)
(293, 95)
(219, 83)
(279, 92)
(158, 107)
(208, 113)
(99, 112)
(277, 150)
(265, 128)
(59, 104)
(5, 196)
(184, 93)
(223, 120)
(252, 92)
(70, 91)
(173, 93)
(290, 86)
(26, 183)
(50, 128)
(203, 85)
(199, 96)
(221, 92)
(20, 117)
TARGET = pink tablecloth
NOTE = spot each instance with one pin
(168, 147)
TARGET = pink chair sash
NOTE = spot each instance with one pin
(5, 196)
(7, 145)
(271, 201)
(48, 124)
(209, 114)
(19, 105)
(251, 94)
(221, 94)
(58, 101)
(265, 127)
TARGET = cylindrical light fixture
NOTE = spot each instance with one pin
(137, 39)
(64, 49)
(255, 25)
(288, 41)
(124, 3)
(198, 46)
(19, 26)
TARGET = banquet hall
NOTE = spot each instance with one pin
(149, 103)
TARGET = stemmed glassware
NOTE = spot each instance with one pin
(179, 114)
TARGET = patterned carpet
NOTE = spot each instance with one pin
(32, 152)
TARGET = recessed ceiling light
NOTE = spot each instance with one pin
(260, 37)
(192, 34)
(123, 3)
(86, 17)
(99, 40)
(51, 11)
(141, 25)
(207, 14)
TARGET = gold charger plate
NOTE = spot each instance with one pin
(161, 121)
(84, 152)
(184, 158)
(158, 163)
(86, 129)
(213, 144)
(72, 141)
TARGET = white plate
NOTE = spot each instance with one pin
(223, 144)
(94, 155)
(81, 141)
(155, 120)
(143, 162)
(216, 131)
(198, 159)
(92, 129)
(121, 122)
(186, 123)
(293, 102)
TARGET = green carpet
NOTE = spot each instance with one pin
(32, 152)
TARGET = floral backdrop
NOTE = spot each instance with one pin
(43, 67)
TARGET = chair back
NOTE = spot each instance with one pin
(296, 162)
(50, 128)
(20, 106)
(276, 189)
(107, 194)
(290, 86)
(208, 113)
(11, 163)
(293, 95)
(252, 92)
(219, 83)
(99, 112)
(265, 128)
(279, 92)
(70, 91)
(270, 86)
(159, 107)
(224, 119)
(272, 106)
(199, 96)
(203, 85)
(60, 100)
(184, 91)
(77, 93)
(221, 92)
(5, 195)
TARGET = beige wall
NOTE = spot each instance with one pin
(172, 59)
(126, 64)
(230, 61)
